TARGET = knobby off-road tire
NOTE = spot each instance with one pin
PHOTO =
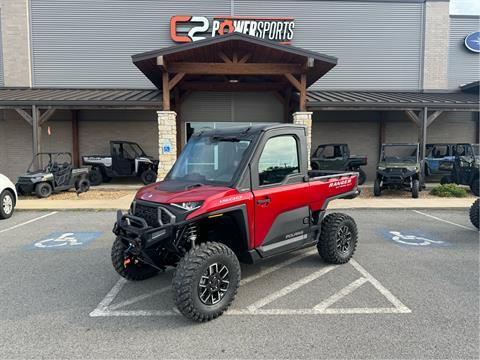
(43, 190)
(148, 177)
(474, 213)
(415, 188)
(133, 272)
(7, 204)
(377, 190)
(82, 185)
(361, 176)
(338, 239)
(447, 179)
(95, 176)
(194, 280)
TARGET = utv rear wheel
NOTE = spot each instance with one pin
(447, 179)
(148, 176)
(338, 238)
(82, 185)
(474, 213)
(95, 176)
(474, 186)
(376, 188)
(415, 188)
(206, 281)
(7, 204)
(43, 190)
(361, 176)
(131, 271)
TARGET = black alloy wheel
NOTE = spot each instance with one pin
(344, 238)
(214, 284)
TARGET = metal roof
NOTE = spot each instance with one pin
(81, 98)
(378, 100)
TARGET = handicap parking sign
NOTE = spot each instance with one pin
(412, 238)
(64, 240)
(166, 149)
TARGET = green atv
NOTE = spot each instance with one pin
(465, 167)
(399, 168)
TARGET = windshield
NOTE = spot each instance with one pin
(400, 153)
(47, 162)
(210, 160)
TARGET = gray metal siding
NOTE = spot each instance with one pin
(2, 80)
(463, 65)
(88, 43)
(379, 44)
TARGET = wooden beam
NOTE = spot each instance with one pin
(414, 117)
(161, 61)
(224, 57)
(433, 117)
(293, 80)
(235, 58)
(244, 59)
(227, 86)
(178, 121)
(166, 91)
(26, 116)
(234, 69)
(303, 92)
(36, 131)
(286, 106)
(75, 140)
(46, 115)
(175, 80)
(381, 131)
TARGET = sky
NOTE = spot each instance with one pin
(465, 7)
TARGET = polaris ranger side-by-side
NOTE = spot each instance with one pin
(337, 157)
(235, 194)
(126, 159)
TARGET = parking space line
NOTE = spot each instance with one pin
(138, 298)
(28, 222)
(288, 289)
(102, 307)
(445, 221)
(341, 294)
(384, 291)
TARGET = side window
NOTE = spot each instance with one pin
(279, 159)
(440, 151)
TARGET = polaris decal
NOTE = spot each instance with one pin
(193, 28)
(340, 183)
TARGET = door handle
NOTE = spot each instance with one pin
(265, 201)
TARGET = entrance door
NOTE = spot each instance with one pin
(281, 202)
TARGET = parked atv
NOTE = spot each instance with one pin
(399, 168)
(126, 159)
(474, 213)
(232, 195)
(465, 167)
(337, 157)
(51, 173)
(439, 159)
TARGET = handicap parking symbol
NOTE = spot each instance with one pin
(67, 240)
(410, 238)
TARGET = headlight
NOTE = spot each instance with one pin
(381, 168)
(189, 205)
(38, 178)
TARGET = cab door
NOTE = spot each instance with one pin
(282, 214)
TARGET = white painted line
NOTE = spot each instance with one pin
(341, 294)
(28, 222)
(138, 298)
(120, 313)
(445, 221)
(288, 289)
(277, 267)
(385, 292)
(102, 308)
(348, 311)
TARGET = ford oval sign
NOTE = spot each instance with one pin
(472, 42)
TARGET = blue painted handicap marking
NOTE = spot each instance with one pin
(412, 238)
(166, 149)
(64, 240)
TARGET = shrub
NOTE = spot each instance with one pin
(448, 190)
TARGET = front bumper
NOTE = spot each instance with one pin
(396, 176)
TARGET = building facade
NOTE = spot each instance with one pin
(407, 47)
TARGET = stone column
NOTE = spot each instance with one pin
(167, 142)
(305, 118)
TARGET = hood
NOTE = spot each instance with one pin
(398, 165)
(167, 192)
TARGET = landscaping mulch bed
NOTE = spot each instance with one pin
(89, 195)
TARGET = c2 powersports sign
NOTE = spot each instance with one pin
(186, 28)
(472, 42)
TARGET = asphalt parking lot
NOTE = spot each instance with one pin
(412, 291)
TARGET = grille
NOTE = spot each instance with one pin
(148, 213)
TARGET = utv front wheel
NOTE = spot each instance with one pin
(474, 213)
(415, 188)
(206, 281)
(131, 270)
(447, 179)
(82, 185)
(376, 188)
(338, 238)
(95, 176)
(148, 177)
(43, 190)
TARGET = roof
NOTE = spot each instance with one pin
(81, 98)
(247, 130)
(262, 51)
(386, 100)
(472, 88)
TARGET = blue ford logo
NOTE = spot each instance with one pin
(472, 42)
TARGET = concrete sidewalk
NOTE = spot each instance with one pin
(123, 203)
